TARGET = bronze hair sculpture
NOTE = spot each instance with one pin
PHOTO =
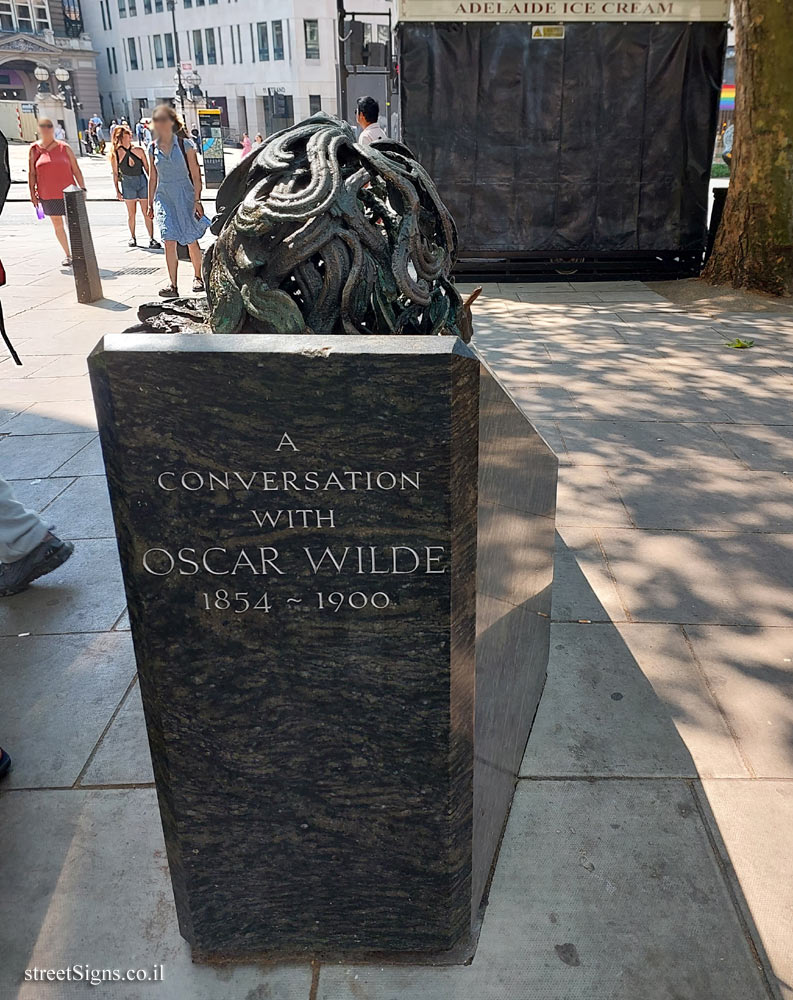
(316, 234)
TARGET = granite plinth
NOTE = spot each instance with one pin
(337, 694)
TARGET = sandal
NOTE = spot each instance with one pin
(198, 285)
(169, 292)
(133, 242)
(67, 262)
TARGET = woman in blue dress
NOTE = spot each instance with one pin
(175, 194)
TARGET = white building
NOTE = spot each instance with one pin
(265, 63)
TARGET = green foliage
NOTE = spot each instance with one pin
(738, 344)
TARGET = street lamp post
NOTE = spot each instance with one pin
(180, 86)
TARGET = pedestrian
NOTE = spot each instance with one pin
(52, 167)
(28, 548)
(258, 140)
(131, 177)
(175, 194)
(60, 132)
(368, 112)
(195, 135)
(246, 145)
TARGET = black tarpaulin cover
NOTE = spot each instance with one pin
(600, 141)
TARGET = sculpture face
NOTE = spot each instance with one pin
(317, 234)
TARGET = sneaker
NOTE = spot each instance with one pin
(67, 262)
(133, 242)
(198, 285)
(154, 244)
(46, 557)
(169, 292)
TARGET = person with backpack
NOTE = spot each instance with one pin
(175, 194)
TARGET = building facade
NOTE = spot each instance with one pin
(264, 63)
(47, 35)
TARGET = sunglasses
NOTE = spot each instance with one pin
(46, 126)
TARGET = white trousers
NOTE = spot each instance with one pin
(20, 529)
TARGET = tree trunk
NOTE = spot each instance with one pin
(754, 245)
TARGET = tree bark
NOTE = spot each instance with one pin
(754, 245)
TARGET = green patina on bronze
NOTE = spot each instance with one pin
(317, 234)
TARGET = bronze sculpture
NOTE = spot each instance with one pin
(316, 234)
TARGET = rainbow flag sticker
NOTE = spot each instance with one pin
(727, 102)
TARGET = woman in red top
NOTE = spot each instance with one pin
(52, 167)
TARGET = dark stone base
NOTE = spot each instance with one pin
(331, 782)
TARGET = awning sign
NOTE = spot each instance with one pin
(563, 10)
(547, 31)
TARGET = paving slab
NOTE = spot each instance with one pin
(753, 819)
(750, 673)
(586, 495)
(760, 448)
(35, 494)
(123, 757)
(582, 586)
(86, 594)
(57, 417)
(630, 442)
(708, 498)
(39, 455)
(656, 401)
(86, 882)
(604, 890)
(83, 509)
(59, 693)
(703, 578)
(627, 700)
(86, 462)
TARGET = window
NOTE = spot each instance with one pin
(233, 47)
(24, 18)
(133, 8)
(264, 45)
(101, 11)
(159, 62)
(239, 43)
(115, 64)
(311, 32)
(169, 56)
(122, 8)
(209, 35)
(109, 61)
(158, 6)
(220, 45)
(188, 3)
(382, 34)
(278, 40)
(278, 112)
(199, 3)
(42, 16)
(133, 53)
(6, 16)
(147, 6)
(314, 103)
(198, 48)
(367, 33)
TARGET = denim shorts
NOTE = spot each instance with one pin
(134, 188)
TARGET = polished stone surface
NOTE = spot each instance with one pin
(323, 785)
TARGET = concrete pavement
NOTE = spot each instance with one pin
(648, 851)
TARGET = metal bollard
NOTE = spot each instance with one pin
(86, 270)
